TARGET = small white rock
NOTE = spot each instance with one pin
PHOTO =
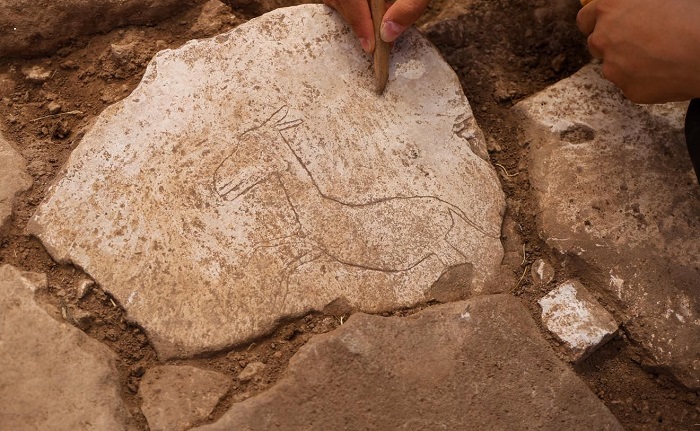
(542, 272)
(36, 74)
(574, 316)
(84, 286)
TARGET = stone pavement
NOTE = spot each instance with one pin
(616, 189)
(54, 377)
(175, 397)
(226, 193)
(479, 364)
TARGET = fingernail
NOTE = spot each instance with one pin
(366, 46)
(390, 31)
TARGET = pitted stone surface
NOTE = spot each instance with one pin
(30, 27)
(572, 314)
(176, 397)
(616, 188)
(13, 178)
(54, 377)
(245, 181)
(477, 364)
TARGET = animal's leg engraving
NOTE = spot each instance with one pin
(291, 268)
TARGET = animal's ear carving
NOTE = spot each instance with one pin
(280, 122)
(279, 116)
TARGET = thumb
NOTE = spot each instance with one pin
(401, 15)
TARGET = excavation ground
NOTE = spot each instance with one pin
(502, 51)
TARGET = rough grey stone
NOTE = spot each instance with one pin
(13, 178)
(176, 397)
(572, 313)
(226, 192)
(616, 189)
(478, 364)
(54, 377)
(30, 27)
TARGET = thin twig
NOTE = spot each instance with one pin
(57, 115)
(506, 171)
(522, 276)
(524, 256)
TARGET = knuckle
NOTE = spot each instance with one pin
(597, 42)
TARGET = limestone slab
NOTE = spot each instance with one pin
(31, 27)
(54, 377)
(256, 176)
(476, 364)
(13, 178)
(176, 397)
(572, 313)
(616, 189)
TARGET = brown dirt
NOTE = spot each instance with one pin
(502, 50)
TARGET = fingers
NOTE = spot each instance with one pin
(586, 18)
(401, 15)
(356, 14)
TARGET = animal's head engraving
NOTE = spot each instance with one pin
(257, 154)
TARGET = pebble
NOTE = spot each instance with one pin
(123, 53)
(250, 371)
(81, 318)
(54, 108)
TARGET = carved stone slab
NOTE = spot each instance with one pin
(256, 176)
(616, 188)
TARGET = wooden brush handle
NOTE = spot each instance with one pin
(381, 48)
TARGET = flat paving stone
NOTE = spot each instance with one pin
(176, 397)
(13, 178)
(257, 176)
(54, 377)
(476, 364)
(616, 189)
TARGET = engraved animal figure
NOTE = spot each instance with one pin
(391, 234)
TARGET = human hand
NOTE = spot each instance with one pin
(650, 48)
(399, 15)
